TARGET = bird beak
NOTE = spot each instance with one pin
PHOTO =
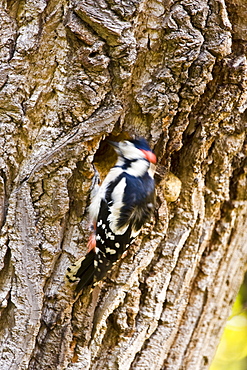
(113, 143)
(115, 146)
(150, 156)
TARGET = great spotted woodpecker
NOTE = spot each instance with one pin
(122, 205)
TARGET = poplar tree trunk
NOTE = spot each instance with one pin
(72, 74)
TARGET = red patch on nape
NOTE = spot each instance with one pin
(150, 156)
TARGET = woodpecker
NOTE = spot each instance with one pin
(119, 208)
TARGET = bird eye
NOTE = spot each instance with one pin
(125, 142)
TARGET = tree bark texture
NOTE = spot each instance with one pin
(72, 74)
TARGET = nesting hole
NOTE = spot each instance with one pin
(106, 157)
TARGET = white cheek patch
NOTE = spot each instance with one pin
(138, 168)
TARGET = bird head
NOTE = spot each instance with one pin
(134, 149)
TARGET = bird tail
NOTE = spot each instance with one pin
(82, 269)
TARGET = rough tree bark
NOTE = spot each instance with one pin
(73, 73)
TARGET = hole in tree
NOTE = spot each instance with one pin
(93, 54)
(106, 157)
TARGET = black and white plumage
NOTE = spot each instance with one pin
(122, 205)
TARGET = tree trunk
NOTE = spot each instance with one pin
(74, 73)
